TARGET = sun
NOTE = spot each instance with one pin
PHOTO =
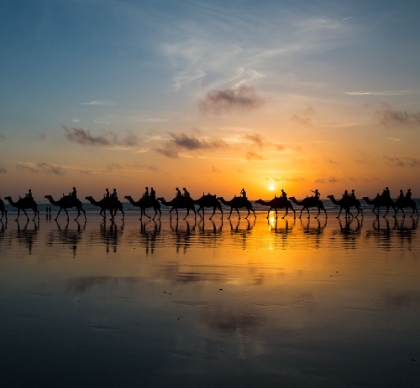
(271, 188)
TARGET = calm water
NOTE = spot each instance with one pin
(286, 303)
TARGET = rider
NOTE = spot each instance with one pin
(386, 193)
(408, 195)
(29, 194)
(345, 194)
(401, 196)
(146, 193)
(186, 193)
(152, 193)
(107, 193)
(178, 195)
(353, 194)
(283, 195)
(114, 194)
(317, 193)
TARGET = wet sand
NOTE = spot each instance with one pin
(290, 303)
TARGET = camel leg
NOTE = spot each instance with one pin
(387, 210)
(67, 214)
(231, 209)
(338, 216)
(247, 214)
(78, 214)
(239, 214)
(214, 211)
(287, 211)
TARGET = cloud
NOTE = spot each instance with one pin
(223, 101)
(250, 155)
(381, 93)
(256, 139)
(103, 103)
(113, 167)
(84, 137)
(215, 169)
(398, 118)
(303, 117)
(3, 137)
(403, 162)
(190, 143)
(170, 153)
(3, 170)
(279, 147)
(40, 167)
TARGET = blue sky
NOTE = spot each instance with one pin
(269, 89)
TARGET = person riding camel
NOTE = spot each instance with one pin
(114, 194)
(152, 194)
(317, 194)
(401, 196)
(243, 197)
(386, 194)
(345, 194)
(178, 195)
(408, 195)
(146, 193)
(186, 193)
(107, 193)
(283, 195)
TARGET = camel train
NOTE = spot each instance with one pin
(184, 201)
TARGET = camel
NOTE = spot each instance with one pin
(346, 203)
(309, 202)
(238, 202)
(2, 209)
(406, 202)
(113, 205)
(379, 201)
(22, 204)
(66, 203)
(277, 203)
(179, 203)
(143, 204)
(208, 201)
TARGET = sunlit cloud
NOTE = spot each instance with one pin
(103, 103)
(215, 169)
(141, 119)
(394, 139)
(382, 93)
(84, 137)
(75, 120)
(223, 101)
(113, 167)
(303, 117)
(256, 139)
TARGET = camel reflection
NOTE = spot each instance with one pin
(68, 237)
(148, 238)
(182, 236)
(350, 231)
(314, 229)
(241, 234)
(111, 235)
(27, 235)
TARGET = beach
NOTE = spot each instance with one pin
(286, 302)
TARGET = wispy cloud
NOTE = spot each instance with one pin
(256, 139)
(3, 137)
(75, 120)
(403, 161)
(3, 170)
(113, 167)
(84, 137)
(103, 103)
(381, 93)
(251, 155)
(190, 143)
(398, 118)
(223, 101)
(303, 117)
(40, 167)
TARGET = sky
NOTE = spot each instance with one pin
(214, 96)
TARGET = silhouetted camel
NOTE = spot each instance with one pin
(208, 201)
(277, 203)
(107, 203)
(346, 203)
(403, 203)
(65, 203)
(22, 204)
(2, 209)
(379, 202)
(309, 202)
(238, 202)
(143, 204)
(179, 203)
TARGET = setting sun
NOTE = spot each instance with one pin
(271, 188)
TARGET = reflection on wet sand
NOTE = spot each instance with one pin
(210, 303)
